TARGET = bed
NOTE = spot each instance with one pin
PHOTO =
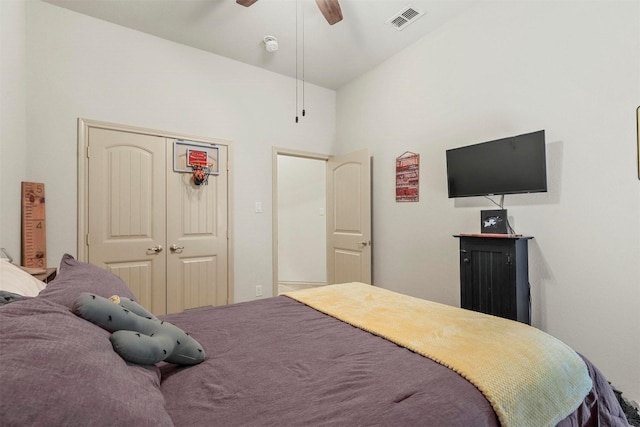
(277, 361)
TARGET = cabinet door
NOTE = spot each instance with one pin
(488, 277)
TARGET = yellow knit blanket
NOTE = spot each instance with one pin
(529, 377)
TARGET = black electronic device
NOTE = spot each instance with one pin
(504, 166)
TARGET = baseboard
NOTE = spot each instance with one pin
(308, 284)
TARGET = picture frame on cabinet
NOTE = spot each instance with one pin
(494, 221)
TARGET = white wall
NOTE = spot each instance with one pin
(502, 69)
(12, 122)
(302, 229)
(78, 66)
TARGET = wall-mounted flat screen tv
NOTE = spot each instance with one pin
(505, 166)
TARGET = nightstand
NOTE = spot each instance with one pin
(47, 276)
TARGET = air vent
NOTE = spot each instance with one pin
(402, 19)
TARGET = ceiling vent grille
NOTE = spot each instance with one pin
(402, 19)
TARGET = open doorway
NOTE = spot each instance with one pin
(299, 220)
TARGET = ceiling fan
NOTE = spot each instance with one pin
(329, 8)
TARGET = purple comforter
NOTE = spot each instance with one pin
(269, 362)
(279, 362)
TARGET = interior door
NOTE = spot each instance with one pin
(197, 238)
(164, 236)
(126, 210)
(349, 218)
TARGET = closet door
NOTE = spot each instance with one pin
(164, 236)
(126, 211)
(197, 238)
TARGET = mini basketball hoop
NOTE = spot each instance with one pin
(201, 174)
(197, 161)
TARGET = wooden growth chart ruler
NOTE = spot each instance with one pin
(34, 231)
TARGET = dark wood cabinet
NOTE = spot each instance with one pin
(494, 275)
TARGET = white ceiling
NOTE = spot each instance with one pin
(332, 55)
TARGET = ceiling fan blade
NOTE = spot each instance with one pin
(246, 3)
(331, 10)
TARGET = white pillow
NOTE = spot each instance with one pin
(16, 280)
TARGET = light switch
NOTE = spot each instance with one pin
(258, 207)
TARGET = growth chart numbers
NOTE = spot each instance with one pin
(34, 231)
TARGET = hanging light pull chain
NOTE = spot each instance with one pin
(303, 110)
(296, 61)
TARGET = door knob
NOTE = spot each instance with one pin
(364, 243)
(155, 249)
(175, 247)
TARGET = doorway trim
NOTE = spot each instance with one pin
(83, 185)
(277, 151)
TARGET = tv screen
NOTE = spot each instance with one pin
(505, 166)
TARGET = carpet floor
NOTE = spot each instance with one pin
(633, 417)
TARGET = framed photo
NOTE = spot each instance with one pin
(188, 155)
(493, 221)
